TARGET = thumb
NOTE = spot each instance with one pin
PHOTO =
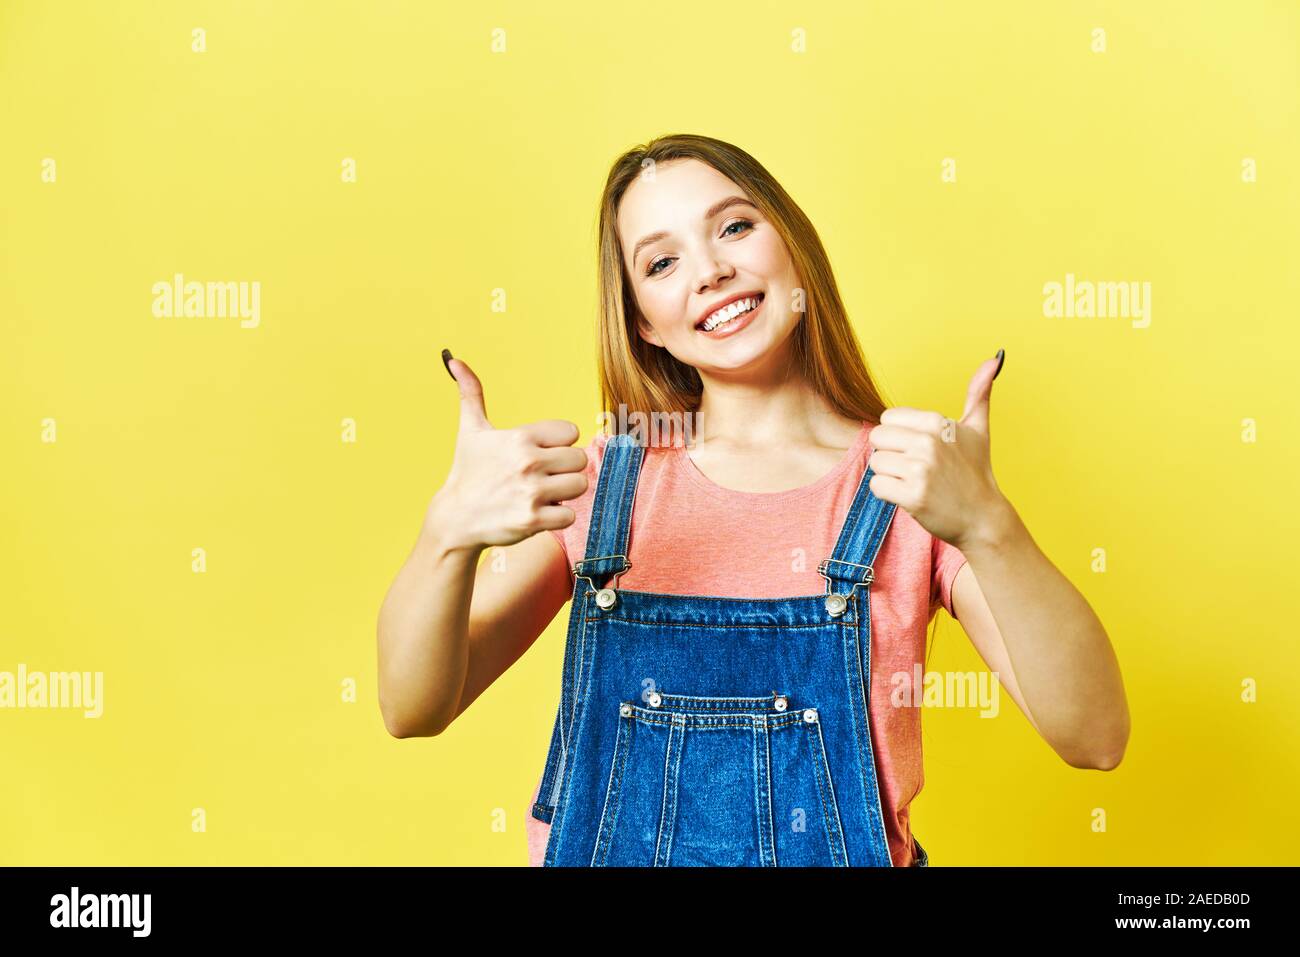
(976, 414)
(473, 414)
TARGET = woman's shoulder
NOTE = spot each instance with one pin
(654, 463)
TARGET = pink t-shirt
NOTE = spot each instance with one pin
(687, 531)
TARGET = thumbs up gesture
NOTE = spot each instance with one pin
(938, 470)
(504, 485)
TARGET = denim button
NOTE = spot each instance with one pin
(655, 700)
(605, 598)
(810, 715)
(835, 604)
(780, 703)
(625, 708)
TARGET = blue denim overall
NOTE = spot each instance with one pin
(695, 730)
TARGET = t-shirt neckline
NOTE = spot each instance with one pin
(684, 464)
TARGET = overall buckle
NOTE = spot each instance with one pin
(836, 603)
(605, 597)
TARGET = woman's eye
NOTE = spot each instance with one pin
(653, 268)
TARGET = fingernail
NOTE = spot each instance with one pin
(1002, 357)
(446, 361)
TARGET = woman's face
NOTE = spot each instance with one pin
(688, 251)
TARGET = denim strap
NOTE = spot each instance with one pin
(860, 538)
(606, 555)
(611, 510)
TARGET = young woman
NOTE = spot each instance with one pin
(749, 597)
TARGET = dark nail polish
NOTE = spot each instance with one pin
(446, 361)
(1002, 357)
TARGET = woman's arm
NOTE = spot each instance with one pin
(1034, 628)
(1020, 612)
(449, 627)
(445, 631)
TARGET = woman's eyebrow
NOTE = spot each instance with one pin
(712, 211)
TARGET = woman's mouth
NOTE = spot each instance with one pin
(732, 319)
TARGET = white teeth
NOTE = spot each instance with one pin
(727, 313)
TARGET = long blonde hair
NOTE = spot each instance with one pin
(640, 377)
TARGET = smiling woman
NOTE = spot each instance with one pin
(738, 604)
(697, 226)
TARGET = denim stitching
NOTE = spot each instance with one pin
(830, 787)
(821, 794)
(851, 650)
(579, 692)
(874, 780)
(756, 704)
(689, 624)
(757, 775)
(617, 766)
(672, 764)
(771, 818)
(708, 722)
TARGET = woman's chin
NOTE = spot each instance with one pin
(747, 357)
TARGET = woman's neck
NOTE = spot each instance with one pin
(788, 414)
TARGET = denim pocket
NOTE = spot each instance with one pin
(719, 781)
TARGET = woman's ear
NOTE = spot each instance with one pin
(647, 331)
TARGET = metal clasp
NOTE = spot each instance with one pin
(837, 603)
(605, 597)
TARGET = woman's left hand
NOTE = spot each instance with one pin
(940, 471)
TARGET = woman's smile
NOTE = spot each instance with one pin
(732, 326)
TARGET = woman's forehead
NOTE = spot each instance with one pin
(670, 196)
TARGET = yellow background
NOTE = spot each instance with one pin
(479, 171)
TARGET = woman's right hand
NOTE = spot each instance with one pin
(504, 484)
